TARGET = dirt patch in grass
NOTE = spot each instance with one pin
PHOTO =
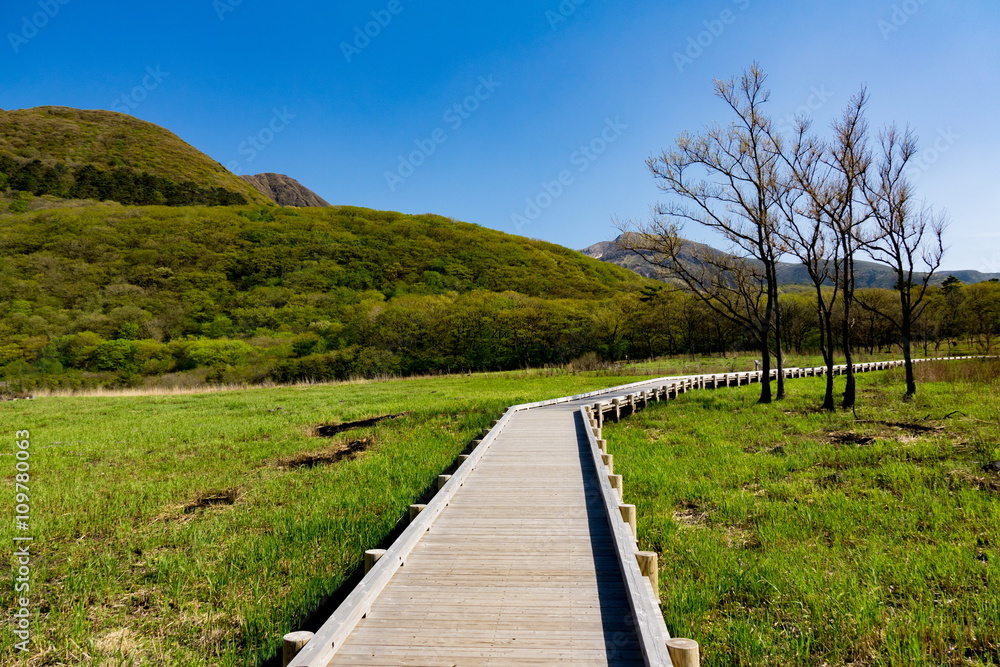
(122, 641)
(985, 482)
(909, 426)
(330, 430)
(691, 514)
(343, 451)
(213, 499)
(851, 438)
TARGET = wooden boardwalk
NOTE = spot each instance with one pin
(523, 557)
(519, 569)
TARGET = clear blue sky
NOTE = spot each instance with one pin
(534, 81)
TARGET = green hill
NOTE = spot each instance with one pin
(94, 293)
(59, 142)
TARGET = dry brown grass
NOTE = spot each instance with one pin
(980, 371)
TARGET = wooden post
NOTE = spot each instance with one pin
(463, 458)
(616, 406)
(442, 480)
(616, 484)
(603, 445)
(415, 510)
(684, 652)
(609, 461)
(649, 566)
(629, 517)
(599, 411)
(371, 557)
(291, 644)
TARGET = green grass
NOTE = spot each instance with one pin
(793, 537)
(127, 576)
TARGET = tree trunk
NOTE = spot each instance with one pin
(911, 384)
(849, 389)
(765, 368)
(778, 357)
(826, 347)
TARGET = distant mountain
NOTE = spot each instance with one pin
(285, 191)
(73, 153)
(867, 274)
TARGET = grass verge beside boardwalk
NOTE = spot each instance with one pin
(196, 529)
(794, 537)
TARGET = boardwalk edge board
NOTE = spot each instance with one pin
(652, 635)
(650, 625)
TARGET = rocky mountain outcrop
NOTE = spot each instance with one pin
(285, 190)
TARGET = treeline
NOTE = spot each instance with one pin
(121, 184)
(113, 295)
(85, 290)
(368, 335)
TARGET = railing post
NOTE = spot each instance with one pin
(291, 644)
(629, 517)
(372, 556)
(616, 484)
(684, 652)
(415, 510)
(649, 566)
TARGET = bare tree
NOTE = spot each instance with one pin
(807, 236)
(904, 235)
(832, 176)
(726, 180)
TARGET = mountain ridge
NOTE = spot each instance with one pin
(868, 274)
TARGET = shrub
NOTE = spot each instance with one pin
(215, 353)
(113, 355)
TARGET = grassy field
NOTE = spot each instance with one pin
(178, 530)
(793, 537)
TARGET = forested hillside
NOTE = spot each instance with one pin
(270, 292)
(105, 294)
(104, 155)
